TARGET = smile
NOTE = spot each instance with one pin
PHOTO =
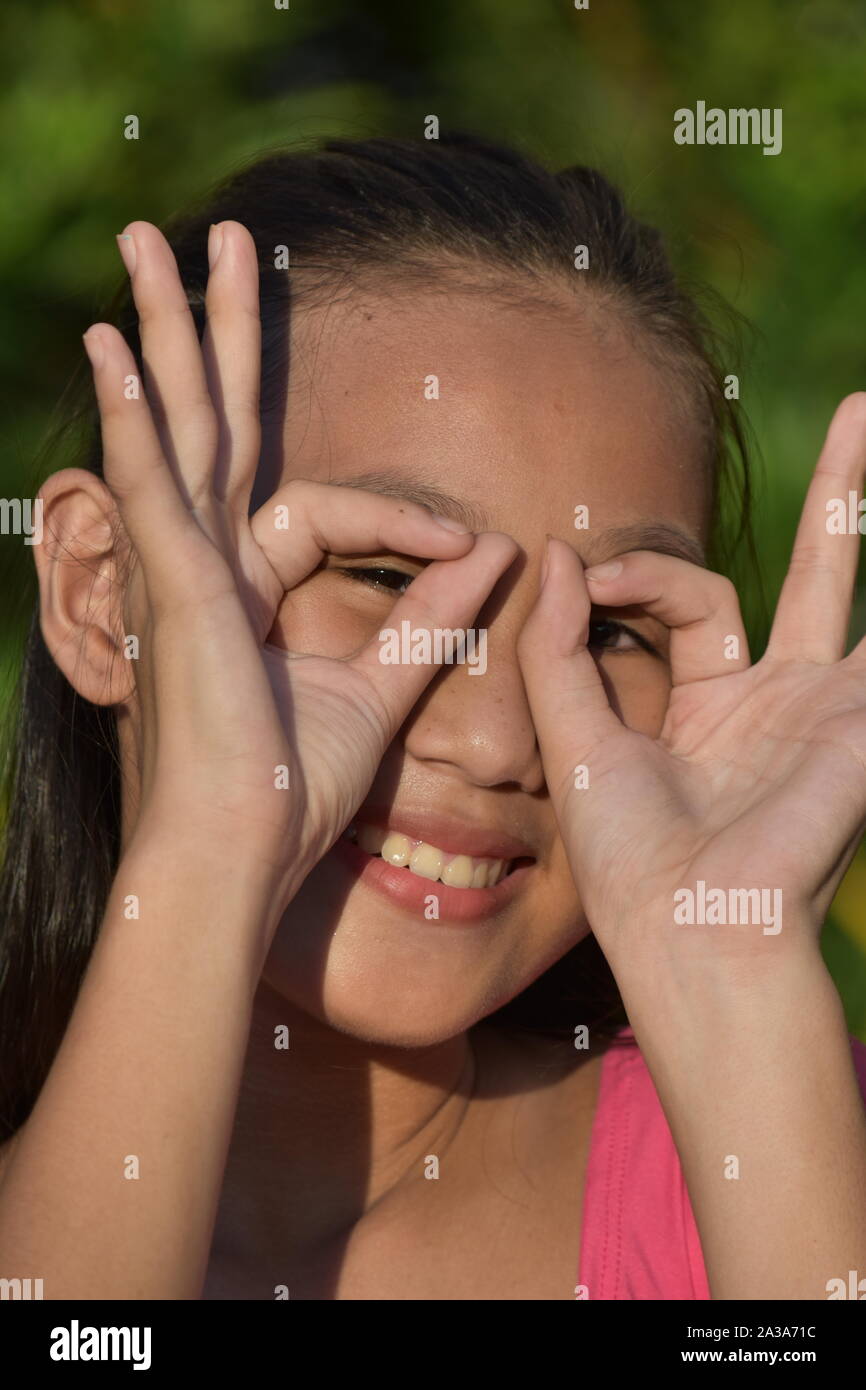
(428, 861)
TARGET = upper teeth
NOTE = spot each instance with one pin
(457, 870)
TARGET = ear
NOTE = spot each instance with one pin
(82, 564)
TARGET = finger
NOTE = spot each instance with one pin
(134, 467)
(175, 378)
(231, 351)
(570, 708)
(814, 608)
(440, 602)
(304, 520)
(701, 609)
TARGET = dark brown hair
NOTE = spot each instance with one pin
(348, 211)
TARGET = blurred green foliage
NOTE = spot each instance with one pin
(214, 81)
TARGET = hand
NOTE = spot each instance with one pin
(758, 777)
(219, 711)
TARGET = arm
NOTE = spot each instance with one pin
(146, 1082)
(763, 1076)
(755, 786)
(216, 845)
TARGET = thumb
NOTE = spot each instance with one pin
(569, 704)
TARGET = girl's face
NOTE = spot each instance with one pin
(515, 417)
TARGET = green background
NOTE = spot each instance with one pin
(214, 81)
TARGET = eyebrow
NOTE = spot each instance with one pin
(651, 535)
(408, 490)
(659, 536)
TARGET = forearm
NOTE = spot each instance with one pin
(112, 1187)
(759, 1089)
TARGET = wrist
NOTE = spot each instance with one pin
(706, 1033)
(264, 855)
(196, 883)
(718, 977)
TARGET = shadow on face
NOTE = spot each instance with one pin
(518, 421)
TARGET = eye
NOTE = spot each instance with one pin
(605, 634)
(379, 577)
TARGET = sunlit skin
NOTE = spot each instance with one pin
(524, 398)
(528, 425)
(701, 766)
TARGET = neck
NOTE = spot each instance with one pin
(329, 1126)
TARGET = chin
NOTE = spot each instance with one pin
(398, 1030)
(416, 1001)
(385, 976)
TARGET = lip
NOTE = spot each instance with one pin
(447, 833)
(410, 891)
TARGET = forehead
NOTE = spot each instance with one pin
(523, 412)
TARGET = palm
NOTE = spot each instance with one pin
(730, 793)
(337, 729)
(756, 779)
(222, 713)
(338, 715)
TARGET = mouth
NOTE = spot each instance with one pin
(421, 859)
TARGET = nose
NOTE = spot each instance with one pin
(479, 724)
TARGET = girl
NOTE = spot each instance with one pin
(299, 993)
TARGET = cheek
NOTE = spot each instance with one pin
(321, 616)
(638, 690)
(312, 618)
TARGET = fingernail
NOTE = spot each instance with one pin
(449, 525)
(214, 243)
(609, 570)
(126, 247)
(94, 348)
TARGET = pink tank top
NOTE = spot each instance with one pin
(639, 1238)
